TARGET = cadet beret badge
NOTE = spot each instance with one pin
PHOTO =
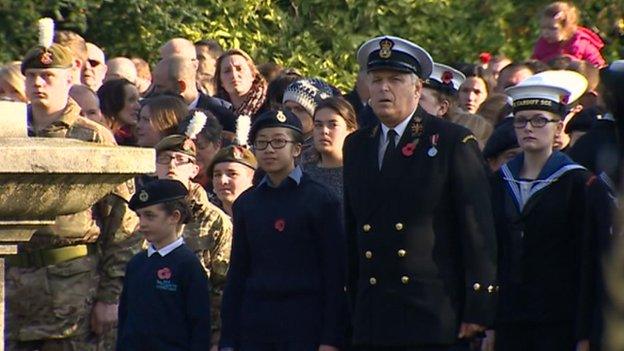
(280, 224)
(237, 153)
(386, 48)
(187, 145)
(281, 116)
(143, 196)
(46, 58)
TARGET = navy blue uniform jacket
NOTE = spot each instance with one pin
(420, 235)
(165, 303)
(286, 278)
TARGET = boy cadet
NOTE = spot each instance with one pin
(285, 287)
(420, 234)
(164, 304)
(63, 285)
(232, 172)
(209, 231)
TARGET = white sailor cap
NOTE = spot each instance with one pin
(548, 91)
(445, 78)
(397, 54)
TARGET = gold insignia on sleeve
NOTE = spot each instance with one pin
(281, 116)
(468, 137)
(386, 48)
(143, 196)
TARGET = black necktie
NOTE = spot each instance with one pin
(391, 146)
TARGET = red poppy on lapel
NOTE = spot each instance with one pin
(408, 149)
(280, 224)
(164, 273)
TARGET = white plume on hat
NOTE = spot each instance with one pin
(46, 32)
(196, 124)
(243, 126)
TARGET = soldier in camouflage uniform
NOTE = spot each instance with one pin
(209, 233)
(63, 286)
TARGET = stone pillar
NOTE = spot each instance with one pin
(42, 178)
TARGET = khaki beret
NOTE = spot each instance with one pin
(56, 56)
(177, 143)
(233, 153)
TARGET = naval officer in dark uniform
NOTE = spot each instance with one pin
(422, 250)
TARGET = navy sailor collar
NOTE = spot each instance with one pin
(556, 166)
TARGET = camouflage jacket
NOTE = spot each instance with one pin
(109, 224)
(209, 235)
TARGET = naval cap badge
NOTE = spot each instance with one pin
(385, 48)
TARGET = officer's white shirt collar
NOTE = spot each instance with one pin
(193, 103)
(165, 250)
(399, 129)
(383, 142)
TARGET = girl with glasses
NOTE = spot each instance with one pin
(542, 215)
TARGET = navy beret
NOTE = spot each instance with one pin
(502, 139)
(275, 119)
(157, 191)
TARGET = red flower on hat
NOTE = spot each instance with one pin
(280, 224)
(485, 57)
(408, 149)
(447, 77)
(164, 273)
(564, 99)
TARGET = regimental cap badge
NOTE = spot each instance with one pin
(237, 153)
(281, 116)
(385, 48)
(46, 58)
(187, 145)
(143, 196)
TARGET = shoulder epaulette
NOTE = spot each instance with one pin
(82, 133)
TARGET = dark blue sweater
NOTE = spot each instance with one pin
(286, 278)
(165, 303)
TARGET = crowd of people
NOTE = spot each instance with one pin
(435, 206)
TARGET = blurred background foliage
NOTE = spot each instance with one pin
(318, 37)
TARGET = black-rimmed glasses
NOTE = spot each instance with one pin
(536, 122)
(275, 144)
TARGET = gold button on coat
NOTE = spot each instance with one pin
(399, 226)
(366, 227)
(368, 254)
(372, 281)
(476, 286)
(404, 279)
(401, 253)
(490, 289)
